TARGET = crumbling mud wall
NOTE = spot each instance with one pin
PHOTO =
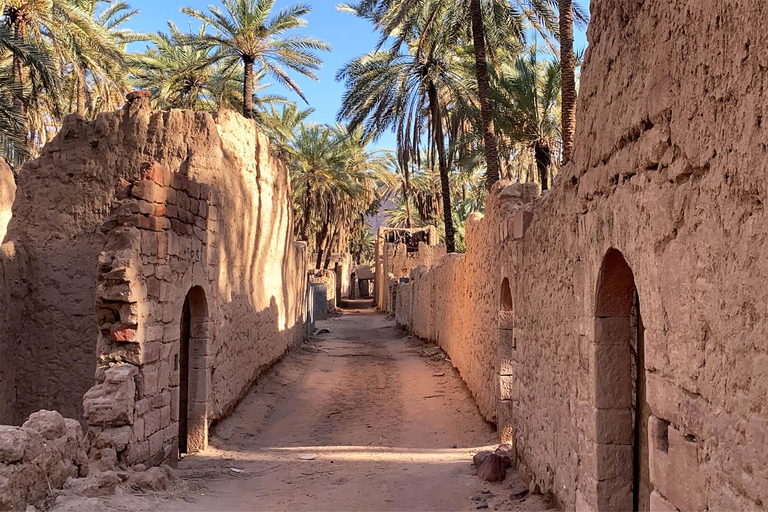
(398, 250)
(39, 456)
(455, 302)
(159, 222)
(631, 316)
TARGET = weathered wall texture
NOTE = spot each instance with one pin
(216, 229)
(394, 260)
(39, 456)
(7, 195)
(664, 198)
(455, 302)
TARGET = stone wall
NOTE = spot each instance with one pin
(631, 313)
(395, 259)
(455, 302)
(184, 262)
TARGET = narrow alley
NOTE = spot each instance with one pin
(363, 418)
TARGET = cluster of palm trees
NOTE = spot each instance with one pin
(338, 182)
(465, 93)
(63, 56)
(469, 98)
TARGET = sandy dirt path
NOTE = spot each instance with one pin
(364, 402)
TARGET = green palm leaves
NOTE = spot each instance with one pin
(246, 31)
(337, 180)
(57, 57)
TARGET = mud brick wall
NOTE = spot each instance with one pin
(393, 260)
(455, 302)
(630, 308)
(119, 223)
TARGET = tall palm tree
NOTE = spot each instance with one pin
(568, 73)
(66, 32)
(528, 98)
(13, 136)
(246, 32)
(406, 91)
(100, 73)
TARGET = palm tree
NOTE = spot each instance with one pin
(248, 34)
(178, 74)
(406, 92)
(280, 125)
(528, 98)
(65, 31)
(568, 73)
(104, 66)
(13, 137)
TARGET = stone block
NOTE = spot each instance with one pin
(613, 376)
(660, 504)
(507, 387)
(148, 191)
(615, 495)
(175, 403)
(505, 419)
(111, 403)
(194, 189)
(613, 331)
(614, 426)
(152, 422)
(199, 384)
(155, 171)
(165, 416)
(156, 443)
(674, 466)
(614, 461)
(521, 222)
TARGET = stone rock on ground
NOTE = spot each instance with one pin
(40, 455)
(494, 468)
(153, 479)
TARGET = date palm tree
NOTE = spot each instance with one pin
(100, 72)
(568, 73)
(529, 103)
(246, 32)
(13, 136)
(406, 91)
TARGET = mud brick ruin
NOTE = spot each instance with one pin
(614, 328)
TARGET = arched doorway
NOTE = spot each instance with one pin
(506, 349)
(622, 410)
(193, 368)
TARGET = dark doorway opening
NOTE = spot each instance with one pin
(622, 410)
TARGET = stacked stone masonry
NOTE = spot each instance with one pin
(616, 327)
(167, 237)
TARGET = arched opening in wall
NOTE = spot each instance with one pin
(194, 370)
(623, 481)
(506, 350)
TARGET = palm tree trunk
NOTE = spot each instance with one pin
(407, 196)
(445, 184)
(307, 211)
(81, 90)
(329, 251)
(248, 88)
(484, 95)
(568, 77)
(543, 158)
(321, 238)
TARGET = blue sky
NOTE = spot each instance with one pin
(349, 36)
